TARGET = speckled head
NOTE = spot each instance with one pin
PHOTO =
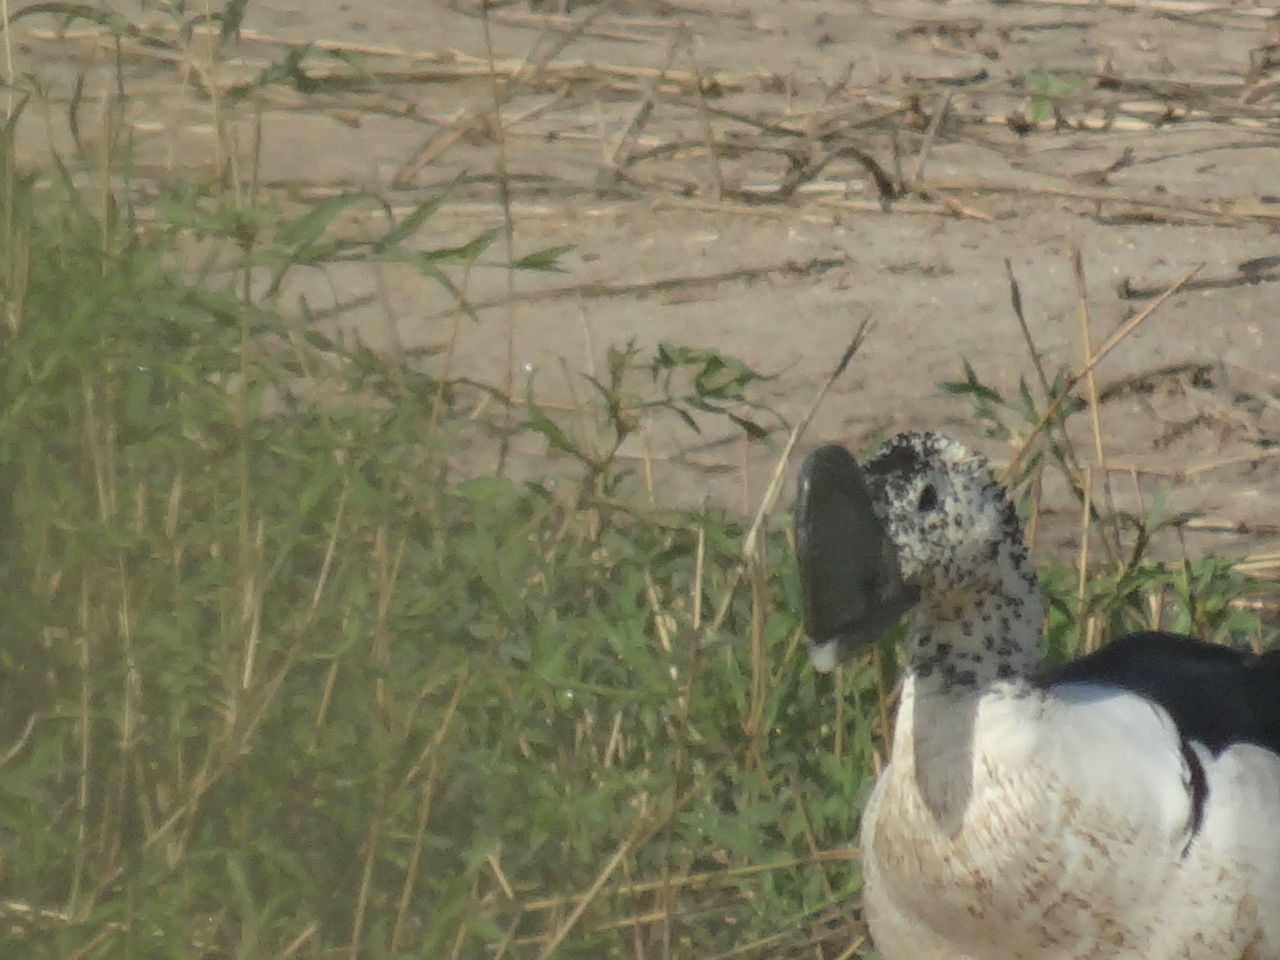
(923, 527)
(948, 517)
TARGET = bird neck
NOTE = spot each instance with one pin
(962, 643)
(984, 631)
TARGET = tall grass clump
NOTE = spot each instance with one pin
(277, 681)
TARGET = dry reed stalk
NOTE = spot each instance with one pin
(1108, 345)
(922, 157)
(1253, 457)
(1083, 620)
(751, 541)
(1223, 525)
(807, 828)
(704, 115)
(647, 826)
(1015, 301)
(370, 846)
(1071, 466)
(1112, 546)
(694, 881)
(17, 746)
(1179, 8)
(426, 800)
(853, 948)
(301, 940)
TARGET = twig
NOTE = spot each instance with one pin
(917, 171)
(595, 289)
(806, 172)
(1256, 456)
(1222, 525)
(947, 207)
(1144, 380)
(1223, 209)
(638, 120)
(1180, 8)
(693, 881)
(21, 742)
(704, 115)
(1015, 299)
(1129, 291)
(551, 21)
(530, 69)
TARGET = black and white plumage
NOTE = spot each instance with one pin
(1125, 805)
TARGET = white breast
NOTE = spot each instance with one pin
(1027, 825)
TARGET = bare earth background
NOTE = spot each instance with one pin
(697, 157)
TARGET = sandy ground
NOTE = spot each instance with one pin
(715, 165)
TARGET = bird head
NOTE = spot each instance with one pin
(924, 522)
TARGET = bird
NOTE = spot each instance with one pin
(1121, 806)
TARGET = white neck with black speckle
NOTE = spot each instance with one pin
(982, 632)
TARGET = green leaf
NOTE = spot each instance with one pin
(428, 267)
(544, 259)
(103, 16)
(753, 429)
(484, 489)
(971, 386)
(467, 252)
(310, 226)
(539, 422)
(1028, 401)
(231, 17)
(410, 224)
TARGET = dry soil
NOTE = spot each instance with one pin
(760, 176)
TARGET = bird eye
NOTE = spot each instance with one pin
(928, 499)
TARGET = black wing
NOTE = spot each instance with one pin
(1216, 695)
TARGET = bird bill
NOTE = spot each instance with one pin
(850, 582)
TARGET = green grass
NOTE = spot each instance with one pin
(278, 681)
